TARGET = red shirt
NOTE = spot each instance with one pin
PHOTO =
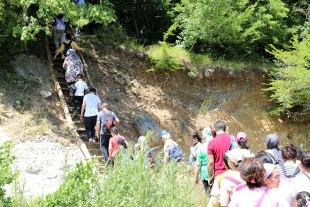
(114, 144)
(218, 147)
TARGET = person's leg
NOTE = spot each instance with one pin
(104, 146)
(56, 39)
(73, 102)
(93, 121)
(80, 100)
(87, 123)
(206, 186)
(62, 38)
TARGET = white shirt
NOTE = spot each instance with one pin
(227, 187)
(300, 183)
(80, 87)
(92, 101)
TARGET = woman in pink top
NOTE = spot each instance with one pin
(255, 192)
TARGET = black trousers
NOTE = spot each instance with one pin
(79, 99)
(90, 124)
(206, 186)
(104, 145)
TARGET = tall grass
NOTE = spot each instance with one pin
(132, 182)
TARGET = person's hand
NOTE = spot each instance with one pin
(81, 117)
(210, 181)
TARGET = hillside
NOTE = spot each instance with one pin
(182, 104)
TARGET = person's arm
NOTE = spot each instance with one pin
(57, 53)
(110, 148)
(76, 47)
(224, 193)
(166, 158)
(197, 173)
(98, 128)
(82, 110)
(210, 167)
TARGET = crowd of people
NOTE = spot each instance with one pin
(234, 176)
(231, 174)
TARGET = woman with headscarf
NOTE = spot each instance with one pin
(73, 66)
(272, 144)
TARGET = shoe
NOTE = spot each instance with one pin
(90, 140)
(94, 140)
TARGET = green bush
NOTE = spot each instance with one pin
(7, 176)
(163, 60)
(77, 190)
(290, 83)
(230, 28)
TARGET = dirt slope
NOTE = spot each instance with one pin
(173, 99)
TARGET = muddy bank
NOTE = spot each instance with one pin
(182, 104)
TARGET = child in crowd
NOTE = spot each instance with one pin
(80, 87)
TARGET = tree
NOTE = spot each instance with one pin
(291, 79)
(24, 19)
(231, 27)
(144, 20)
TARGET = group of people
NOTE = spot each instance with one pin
(234, 176)
(231, 174)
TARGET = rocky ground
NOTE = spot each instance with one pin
(31, 118)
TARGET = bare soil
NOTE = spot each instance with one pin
(174, 99)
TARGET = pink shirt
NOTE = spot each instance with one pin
(218, 147)
(250, 197)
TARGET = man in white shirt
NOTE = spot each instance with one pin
(91, 104)
(80, 87)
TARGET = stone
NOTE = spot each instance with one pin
(33, 169)
(47, 91)
(143, 124)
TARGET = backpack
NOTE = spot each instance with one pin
(108, 123)
(67, 47)
(175, 153)
(60, 25)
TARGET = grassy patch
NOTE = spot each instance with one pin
(197, 60)
(205, 106)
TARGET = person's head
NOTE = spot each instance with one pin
(303, 199)
(121, 142)
(225, 159)
(235, 157)
(242, 139)
(114, 131)
(305, 161)
(104, 106)
(92, 90)
(265, 157)
(272, 141)
(272, 176)
(195, 138)
(207, 135)
(68, 36)
(79, 77)
(252, 172)
(165, 135)
(220, 126)
(71, 52)
(289, 152)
